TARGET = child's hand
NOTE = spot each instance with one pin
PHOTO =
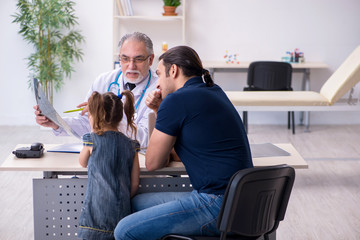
(84, 156)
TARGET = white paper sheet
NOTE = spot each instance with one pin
(48, 110)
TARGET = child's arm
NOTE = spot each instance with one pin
(135, 173)
(84, 156)
(86, 150)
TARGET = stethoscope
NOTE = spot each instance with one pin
(142, 95)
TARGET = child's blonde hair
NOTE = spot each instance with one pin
(107, 110)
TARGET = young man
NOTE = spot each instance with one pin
(136, 57)
(199, 121)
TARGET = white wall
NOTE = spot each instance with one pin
(326, 31)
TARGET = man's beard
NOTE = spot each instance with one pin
(139, 79)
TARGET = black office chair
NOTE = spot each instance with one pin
(269, 76)
(254, 203)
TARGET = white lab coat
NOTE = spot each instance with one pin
(81, 125)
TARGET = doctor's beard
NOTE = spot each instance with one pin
(139, 79)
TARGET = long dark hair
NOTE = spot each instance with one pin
(188, 61)
(107, 110)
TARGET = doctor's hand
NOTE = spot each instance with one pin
(86, 108)
(153, 100)
(42, 120)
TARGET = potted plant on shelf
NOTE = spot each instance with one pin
(170, 7)
(48, 26)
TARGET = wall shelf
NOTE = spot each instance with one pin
(147, 18)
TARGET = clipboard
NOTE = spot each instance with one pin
(67, 148)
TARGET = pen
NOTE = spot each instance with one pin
(75, 110)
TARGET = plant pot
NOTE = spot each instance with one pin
(169, 11)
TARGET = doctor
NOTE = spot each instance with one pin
(136, 57)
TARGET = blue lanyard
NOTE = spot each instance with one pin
(142, 95)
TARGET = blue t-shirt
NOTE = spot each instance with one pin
(211, 140)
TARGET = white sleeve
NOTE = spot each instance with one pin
(141, 130)
(142, 121)
(79, 124)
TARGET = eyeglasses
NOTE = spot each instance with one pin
(125, 59)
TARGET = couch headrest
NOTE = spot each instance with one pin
(343, 79)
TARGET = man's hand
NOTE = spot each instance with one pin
(42, 120)
(86, 107)
(153, 100)
(174, 157)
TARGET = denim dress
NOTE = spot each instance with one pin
(107, 198)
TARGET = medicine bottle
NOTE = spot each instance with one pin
(164, 47)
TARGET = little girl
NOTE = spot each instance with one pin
(113, 165)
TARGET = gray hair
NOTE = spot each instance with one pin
(138, 36)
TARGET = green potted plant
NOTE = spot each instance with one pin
(48, 25)
(170, 7)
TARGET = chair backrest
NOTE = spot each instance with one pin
(256, 200)
(269, 76)
(343, 79)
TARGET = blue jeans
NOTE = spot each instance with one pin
(158, 214)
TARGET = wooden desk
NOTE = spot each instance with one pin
(68, 162)
(222, 66)
(57, 200)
